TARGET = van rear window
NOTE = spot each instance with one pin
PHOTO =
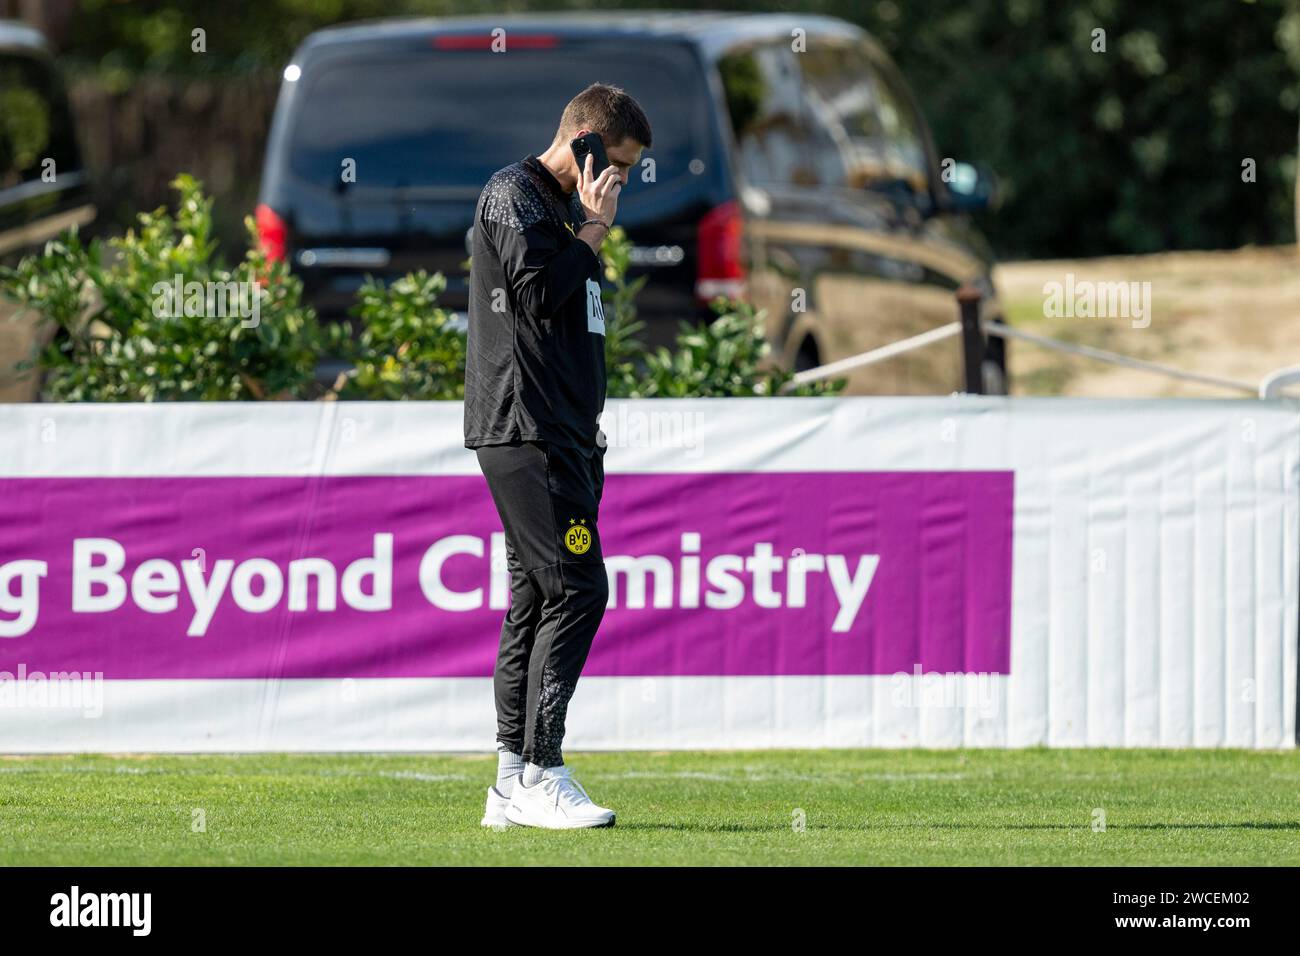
(450, 118)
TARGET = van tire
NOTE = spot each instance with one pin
(808, 357)
(995, 378)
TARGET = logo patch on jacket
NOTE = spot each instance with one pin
(595, 310)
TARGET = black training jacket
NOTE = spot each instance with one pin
(535, 368)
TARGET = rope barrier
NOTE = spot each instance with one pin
(875, 355)
(1269, 388)
(1115, 358)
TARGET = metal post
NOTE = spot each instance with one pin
(972, 338)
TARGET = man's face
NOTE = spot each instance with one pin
(622, 156)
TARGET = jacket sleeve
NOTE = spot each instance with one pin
(543, 263)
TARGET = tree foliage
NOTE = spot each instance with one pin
(120, 335)
(1134, 149)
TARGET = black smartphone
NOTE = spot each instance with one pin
(589, 144)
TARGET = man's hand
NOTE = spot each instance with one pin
(599, 196)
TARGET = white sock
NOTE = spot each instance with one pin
(509, 767)
(532, 774)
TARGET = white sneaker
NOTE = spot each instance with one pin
(495, 814)
(556, 802)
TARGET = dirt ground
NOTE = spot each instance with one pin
(1233, 315)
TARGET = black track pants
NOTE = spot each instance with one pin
(548, 498)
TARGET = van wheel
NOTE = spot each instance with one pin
(995, 378)
(995, 366)
(807, 357)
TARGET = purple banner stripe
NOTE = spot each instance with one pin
(712, 574)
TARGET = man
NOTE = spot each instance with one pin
(534, 392)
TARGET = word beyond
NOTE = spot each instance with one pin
(257, 585)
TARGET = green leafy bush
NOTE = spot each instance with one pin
(728, 357)
(120, 335)
(406, 347)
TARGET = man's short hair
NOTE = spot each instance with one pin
(609, 111)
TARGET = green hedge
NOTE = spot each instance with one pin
(156, 316)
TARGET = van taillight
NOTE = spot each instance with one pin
(720, 271)
(272, 234)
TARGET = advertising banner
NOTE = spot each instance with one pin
(784, 572)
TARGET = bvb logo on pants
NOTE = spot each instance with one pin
(578, 537)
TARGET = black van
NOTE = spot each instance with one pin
(44, 189)
(790, 165)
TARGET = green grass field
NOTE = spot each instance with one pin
(856, 807)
